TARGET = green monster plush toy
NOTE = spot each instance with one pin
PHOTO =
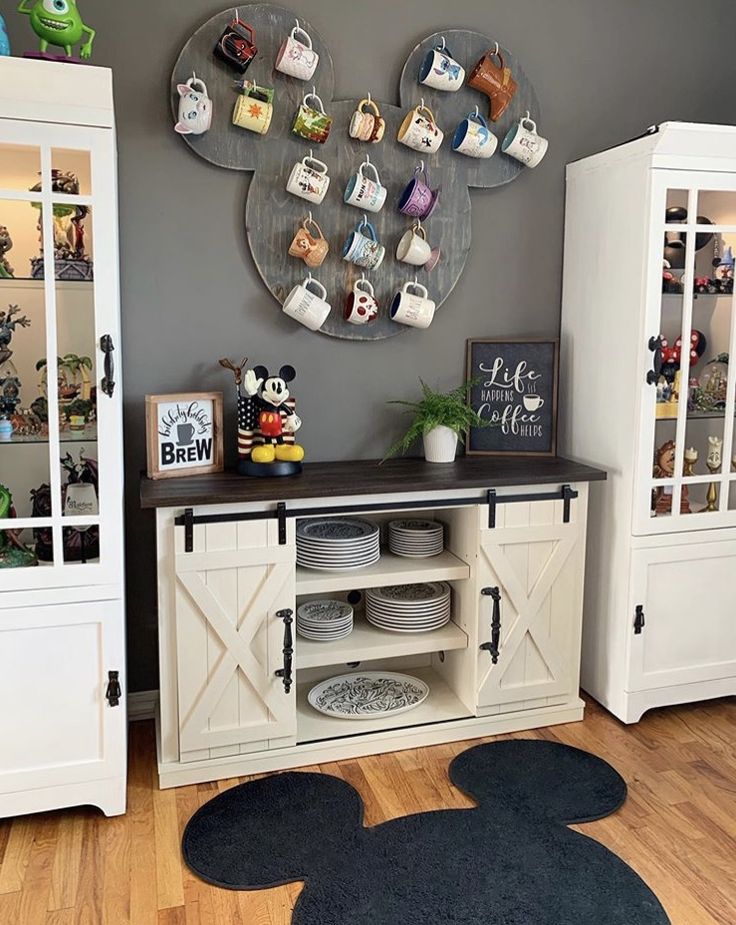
(57, 22)
(13, 552)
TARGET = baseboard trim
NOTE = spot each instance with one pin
(142, 705)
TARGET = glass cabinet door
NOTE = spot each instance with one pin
(688, 454)
(60, 444)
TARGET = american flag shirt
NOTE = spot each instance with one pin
(249, 409)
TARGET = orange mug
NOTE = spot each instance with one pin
(311, 248)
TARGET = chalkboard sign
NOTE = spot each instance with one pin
(516, 390)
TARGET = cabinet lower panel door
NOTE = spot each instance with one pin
(686, 632)
(56, 725)
(230, 641)
(530, 650)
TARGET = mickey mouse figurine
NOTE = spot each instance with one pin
(267, 421)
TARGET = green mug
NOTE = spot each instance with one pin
(312, 123)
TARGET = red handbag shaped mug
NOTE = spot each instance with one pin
(237, 45)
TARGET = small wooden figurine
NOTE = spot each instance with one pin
(267, 421)
(664, 468)
(713, 462)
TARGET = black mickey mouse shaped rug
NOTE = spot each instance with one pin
(512, 860)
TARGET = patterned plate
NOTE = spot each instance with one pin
(323, 611)
(367, 695)
(415, 526)
(409, 596)
(335, 528)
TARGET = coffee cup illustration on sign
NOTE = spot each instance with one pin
(440, 70)
(296, 56)
(533, 402)
(184, 434)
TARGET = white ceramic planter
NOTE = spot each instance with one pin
(440, 445)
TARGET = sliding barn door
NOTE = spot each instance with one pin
(231, 591)
(530, 573)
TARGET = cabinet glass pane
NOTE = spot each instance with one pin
(717, 207)
(20, 168)
(73, 171)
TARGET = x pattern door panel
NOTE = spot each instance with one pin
(230, 640)
(535, 559)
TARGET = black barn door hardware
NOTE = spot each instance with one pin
(492, 646)
(285, 673)
(564, 493)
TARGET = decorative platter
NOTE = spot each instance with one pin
(332, 529)
(368, 695)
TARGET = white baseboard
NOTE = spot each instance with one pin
(142, 705)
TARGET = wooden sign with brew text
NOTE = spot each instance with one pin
(515, 389)
(184, 434)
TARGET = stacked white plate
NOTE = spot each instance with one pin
(324, 621)
(416, 608)
(416, 539)
(334, 544)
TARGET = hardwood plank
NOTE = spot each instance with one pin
(677, 829)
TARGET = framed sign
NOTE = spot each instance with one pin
(183, 434)
(516, 390)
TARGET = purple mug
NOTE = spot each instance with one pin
(418, 200)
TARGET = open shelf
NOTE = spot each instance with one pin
(89, 435)
(368, 642)
(440, 706)
(389, 570)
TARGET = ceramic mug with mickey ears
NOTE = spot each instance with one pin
(312, 122)
(254, 108)
(309, 180)
(361, 306)
(297, 58)
(419, 130)
(195, 107)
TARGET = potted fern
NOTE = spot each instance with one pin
(439, 419)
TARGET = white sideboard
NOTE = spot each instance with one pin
(228, 577)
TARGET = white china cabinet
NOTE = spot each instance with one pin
(235, 675)
(649, 325)
(62, 668)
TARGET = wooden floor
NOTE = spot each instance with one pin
(677, 828)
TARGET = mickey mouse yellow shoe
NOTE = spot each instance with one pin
(287, 453)
(265, 453)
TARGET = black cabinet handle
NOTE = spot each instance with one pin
(639, 621)
(285, 673)
(492, 646)
(653, 374)
(108, 381)
(113, 692)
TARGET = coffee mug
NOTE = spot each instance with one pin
(237, 45)
(367, 126)
(417, 199)
(413, 247)
(306, 306)
(440, 70)
(413, 308)
(361, 306)
(309, 180)
(184, 434)
(295, 58)
(310, 245)
(419, 130)
(312, 123)
(195, 107)
(473, 137)
(523, 143)
(364, 192)
(253, 108)
(533, 402)
(491, 76)
(362, 247)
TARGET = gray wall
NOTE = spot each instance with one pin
(603, 69)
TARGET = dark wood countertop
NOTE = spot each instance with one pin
(366, 477)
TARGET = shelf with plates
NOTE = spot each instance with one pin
(367, 642)
(442, 705)
(389, 570)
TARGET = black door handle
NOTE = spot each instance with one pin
(113, 692)
(108, 381)
(492, 646)
(285, 673)
(653, 374)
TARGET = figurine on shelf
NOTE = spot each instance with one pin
(724, 269)
(664, 468)
(9, 381)
(8, 324)
(6, 244)
(690, 457)
(713, 462)
(58, 23)
(80, 544)
(71, 260)
(708, 393)
(267, 421)
(13, 551)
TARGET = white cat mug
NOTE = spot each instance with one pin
(195, 107)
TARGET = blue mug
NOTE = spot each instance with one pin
(362, 248)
